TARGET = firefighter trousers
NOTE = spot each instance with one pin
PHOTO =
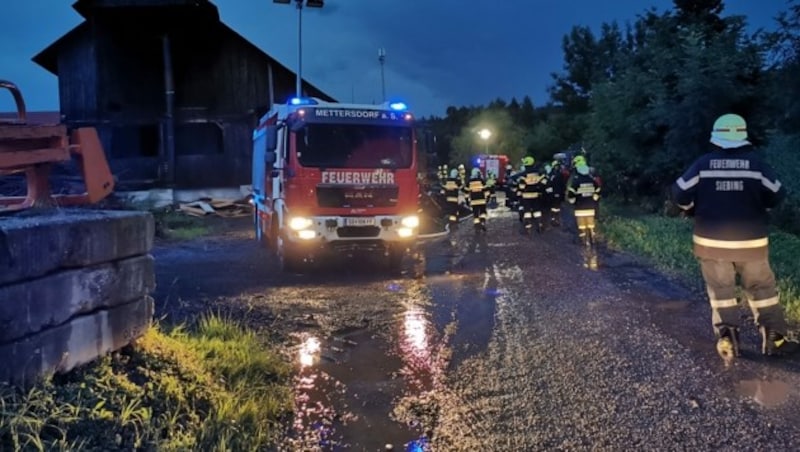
(554, 202)
(451, 211)
(532, 211)
(585, 220)
(758, 283)
(479, 214)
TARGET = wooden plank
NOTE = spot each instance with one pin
(194, 211)
(206, 207)
(9, 160)
(26, 132)
(221, 203)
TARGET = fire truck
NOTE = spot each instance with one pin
(335, 178)
(496, 164)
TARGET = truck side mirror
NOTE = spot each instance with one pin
(269, 158)
(271, 136)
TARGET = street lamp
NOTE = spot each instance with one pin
(299, 3)
(485, 134)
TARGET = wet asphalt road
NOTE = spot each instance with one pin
(503, 342)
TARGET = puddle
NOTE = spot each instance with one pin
(472, 312)
(767, 393)
(349, 385)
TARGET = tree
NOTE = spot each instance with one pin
(507, 138)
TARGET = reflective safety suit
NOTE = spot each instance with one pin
(531, 185)
(730, 192)
(491, 187)
(451, 190)
(557, 184)
(478, 197)
(584, 193)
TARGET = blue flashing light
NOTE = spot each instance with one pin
(398, 106)
(302, 101)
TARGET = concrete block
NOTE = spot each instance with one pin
(51, 300)
(35, 243)
(79, 341)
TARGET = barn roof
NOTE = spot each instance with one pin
(48, 58)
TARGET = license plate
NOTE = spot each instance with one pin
(360, 221)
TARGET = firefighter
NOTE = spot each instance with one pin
(462, 174)
(729, 191)
(491, 183)
(557, 185)
(531, 188)
(451, 190)
(510, 187)
(518, 193)
(442, 175)
(584, 193)
(507, 183)
(476, 190)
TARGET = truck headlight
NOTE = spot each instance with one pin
(300, 223)
(410, 222)
(306, 235)
(405, 232)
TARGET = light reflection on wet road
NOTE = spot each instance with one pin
(483, 352)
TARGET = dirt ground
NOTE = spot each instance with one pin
(492, 342)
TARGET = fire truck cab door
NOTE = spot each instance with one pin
(264, 161)
(493, 166)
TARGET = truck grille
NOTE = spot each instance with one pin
(358, 231)
(357, 196)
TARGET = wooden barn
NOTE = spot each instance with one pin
(173, 91)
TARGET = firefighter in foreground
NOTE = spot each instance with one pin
(531, 189)
(584, 193)
(730, 190)
(478, 195)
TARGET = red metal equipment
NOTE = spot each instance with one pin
(33, 149)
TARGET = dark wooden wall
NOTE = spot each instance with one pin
(77, 79)
(111, 76)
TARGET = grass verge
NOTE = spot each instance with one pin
(214, 387)
(667, 243)
(171, 224)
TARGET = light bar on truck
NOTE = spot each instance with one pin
(398, 106)
(302, 101)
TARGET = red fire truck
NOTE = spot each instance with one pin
(496, 164)
(335, 178)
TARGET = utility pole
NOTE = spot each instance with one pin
(382, 59)
(299, 3)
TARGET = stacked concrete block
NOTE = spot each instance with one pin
(75, 284)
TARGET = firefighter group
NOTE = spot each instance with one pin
(535, 191)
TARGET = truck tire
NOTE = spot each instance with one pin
(259, 232)
(394, 261)
(289, 260)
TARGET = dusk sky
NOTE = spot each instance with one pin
(439, 52)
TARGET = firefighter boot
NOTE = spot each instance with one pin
(775, 344)
(728, 344)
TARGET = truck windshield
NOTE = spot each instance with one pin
(354, 146)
